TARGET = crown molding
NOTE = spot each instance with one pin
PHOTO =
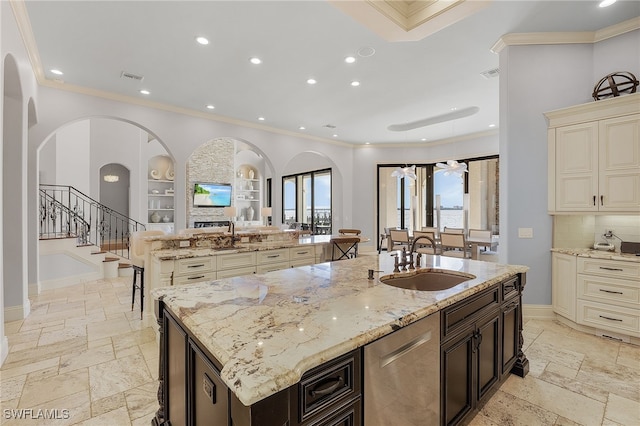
(595, 110)
(585, 37)
(19, 9)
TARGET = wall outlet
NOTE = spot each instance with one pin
(525, 232)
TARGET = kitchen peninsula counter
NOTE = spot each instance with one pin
(598, 254)
(266, 330)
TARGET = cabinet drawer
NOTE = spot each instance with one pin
(510, 288)
(609, 268)
(296, 253)
(196, 277)
(236, 260)
(272, 256)
(195, 264)
(609, 290)
(609, 317)
(329, 385)
(350, 415)
(270, 267)
(460, 314)
(303, 262)
(236, 272)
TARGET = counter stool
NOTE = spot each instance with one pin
(136, 253)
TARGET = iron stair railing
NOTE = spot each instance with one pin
(66, 212)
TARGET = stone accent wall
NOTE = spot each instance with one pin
(212, 161)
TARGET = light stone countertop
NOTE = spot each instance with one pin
(267, 330)
(598, 254)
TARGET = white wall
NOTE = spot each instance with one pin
(72, 155)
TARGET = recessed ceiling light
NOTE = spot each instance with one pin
(335, 136)
(261, 118)
(605, 3)
(312, 81)
(145, 92)
(365, 52)
(423, 139)
(56, 72)
(255, 61)
(301, 128)
(355, 83)
(367, 143)
(210, 107)
(350, 59)
(492, 125)
(454, 109)
(202, 40)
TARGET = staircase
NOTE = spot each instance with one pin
(66, 213)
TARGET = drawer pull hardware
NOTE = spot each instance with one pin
(594, 200)
(392, 356)
(302, 252)
(195, 266)
(611, 269)
(609, 291)
(196, 278)
(602, 200)
(329, 389)
(273, 256)
(610, 319)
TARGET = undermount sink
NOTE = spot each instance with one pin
(427, 279)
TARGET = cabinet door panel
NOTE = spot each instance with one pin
(510, 334)
(210, 400)
(457, 379)
(563, 285)
(175, 380)
(619, 164)
(488, 354)
(577, 167)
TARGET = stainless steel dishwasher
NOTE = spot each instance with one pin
(402, 376)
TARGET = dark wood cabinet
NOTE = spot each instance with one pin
(176, 376)
(209, 396)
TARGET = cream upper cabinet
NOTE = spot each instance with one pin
(594, 157)
(619, 164)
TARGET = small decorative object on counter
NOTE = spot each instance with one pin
(155, 174)
(614, 84)
(170, 175)
(155, 217)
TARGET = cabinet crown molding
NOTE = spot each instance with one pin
(595, 110)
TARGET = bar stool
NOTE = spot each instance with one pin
(136, 253)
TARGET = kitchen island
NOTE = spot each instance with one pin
(286, 347)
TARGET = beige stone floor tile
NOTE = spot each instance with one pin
(68, 410)
(561, 370)
(118, 375)
(142, 400)
(617, 379)
(629, 356)
(565, 422)
(607, 422)
(86, 358)
(96, 315)
(133, 338)
(69, 305)
(153, 365)
(64, 334)
(38, 392)
(111, 418)
(150, 350)
(44, 373)
(506, 409)
(28, 339)
(100, 330)
(144, 420)
(109, 403)
(11, 388)
(59, 326)
(99, 342)
(126, 351)
(549, 349)
(481, 420)
(555, 399)
(622, 410)
(38, 324)
(20, 369)
(12, 327)
(575, 385)
(29, 356)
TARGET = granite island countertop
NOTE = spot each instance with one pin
(267, 330)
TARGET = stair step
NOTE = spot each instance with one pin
(123, 265)
(111, 259)
(98, 252)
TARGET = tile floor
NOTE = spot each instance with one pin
(83, 350)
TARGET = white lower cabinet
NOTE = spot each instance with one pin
(599, 293)
(563, 289)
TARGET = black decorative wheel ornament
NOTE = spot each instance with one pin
(615, 84)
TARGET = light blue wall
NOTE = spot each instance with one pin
(533, 80)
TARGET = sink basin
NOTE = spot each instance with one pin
(427, 279)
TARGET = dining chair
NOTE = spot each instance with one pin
(383, 239)
(454, 244)
(344, 248)
(399, 238)
(481, 234)
(346, 231)
(424, 246)
(136, 254)
(454, 230)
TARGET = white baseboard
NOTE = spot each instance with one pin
(4, 349)
(538, 312)
(17, 313)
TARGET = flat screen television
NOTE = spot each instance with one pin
(207, 194)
